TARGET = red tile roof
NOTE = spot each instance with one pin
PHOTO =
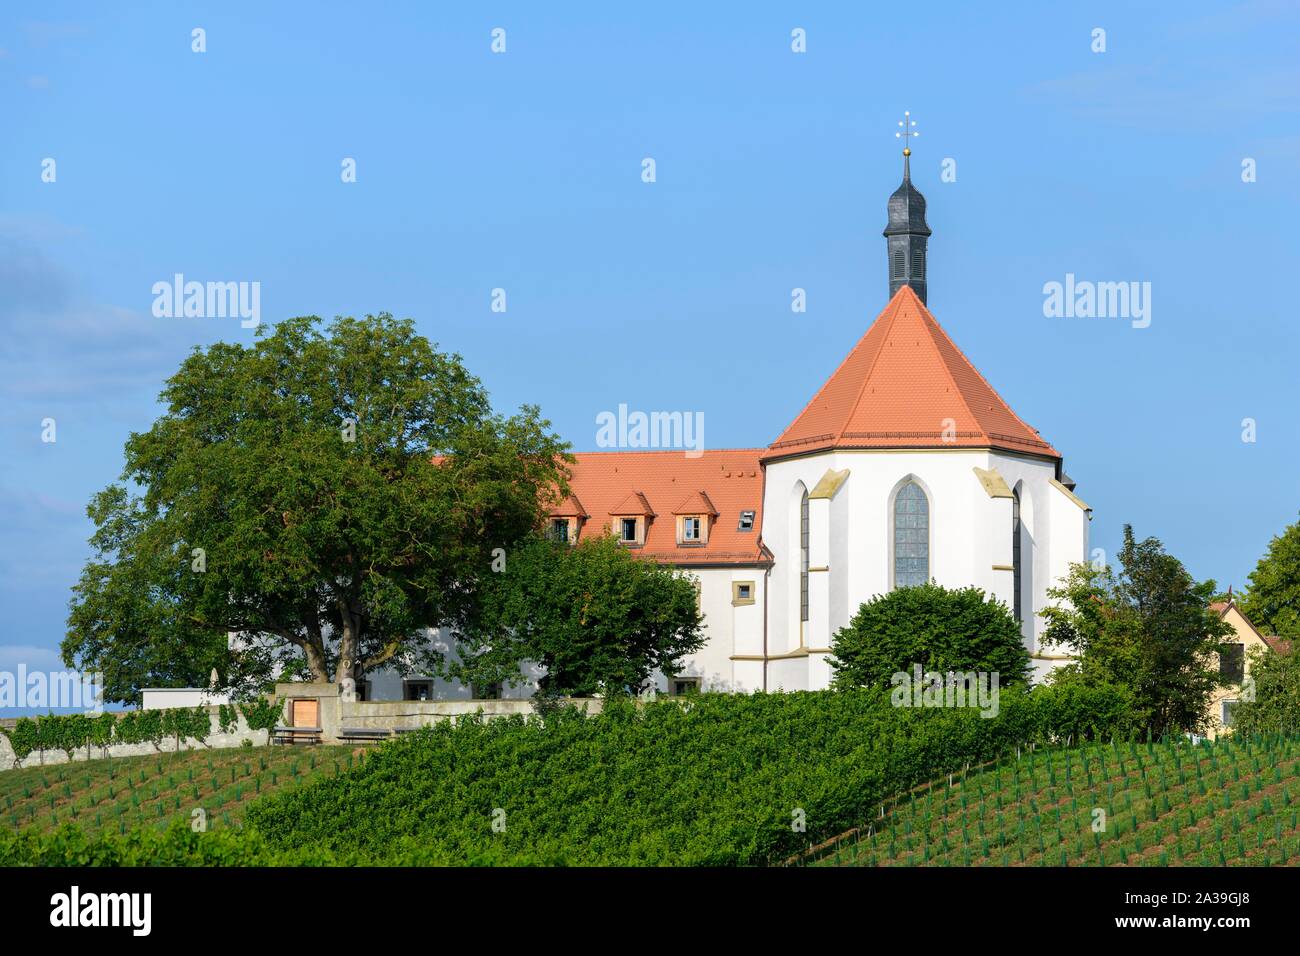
(896, 388)
(696, 503)
(633, 504)
(570, 507)
(1280, 645)
(728, 480)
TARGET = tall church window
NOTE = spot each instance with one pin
(911, 536)
(900, 263)
(1015, 553)
(803, 558)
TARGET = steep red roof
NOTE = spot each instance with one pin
(1279, 645)
(896, 388)
(728, 480)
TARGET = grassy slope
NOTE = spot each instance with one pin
(115, 795)
(1230, 803)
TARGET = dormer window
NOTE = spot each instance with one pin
(632, 518)
(746, 521)
(694, 516)
(565, 524)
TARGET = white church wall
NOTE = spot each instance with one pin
(970, 537)
(732, 630)
(1032, 478)
(788, 674)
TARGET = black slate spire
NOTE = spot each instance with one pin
(907, 233)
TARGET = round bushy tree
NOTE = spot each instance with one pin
(940, 629)
(594, 616)
(1273, 600)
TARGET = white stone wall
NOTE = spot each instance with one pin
(166, 745)
(169, 698)
(731, 630)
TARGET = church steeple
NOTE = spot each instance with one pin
(906, 234)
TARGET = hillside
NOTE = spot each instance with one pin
(120, 794)
(1213, 804)
(717, 779)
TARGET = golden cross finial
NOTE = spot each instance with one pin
(907, 123)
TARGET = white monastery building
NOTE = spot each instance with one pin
(904, 467)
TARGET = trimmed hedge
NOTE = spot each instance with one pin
(71, 732)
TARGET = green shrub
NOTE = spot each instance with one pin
(23, 739)
(227, 718)
(262, 713)
(940, 629)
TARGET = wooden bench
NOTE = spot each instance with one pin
(363, 734)
(296, 735)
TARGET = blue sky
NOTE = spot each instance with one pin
(523, 171)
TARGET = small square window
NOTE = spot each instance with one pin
(627, 530)
(746, 521)
(417, 690)
(742, 592)
(560, 529)
(690, 529)
(684, 686)
(1228, 707)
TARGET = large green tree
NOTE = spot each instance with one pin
(1273, 600)
(1273, 706)
(594, 617)
(326, 491)
(1147, 628)
(939, 628)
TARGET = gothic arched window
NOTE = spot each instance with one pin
(911, 536)
(1015, 552)
(803, 557)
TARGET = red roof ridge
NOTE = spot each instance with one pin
(696, 503)
(880, 396)
(975, 368)
(898, 307)
(633, 504)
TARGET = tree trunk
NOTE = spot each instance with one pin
(349, 644)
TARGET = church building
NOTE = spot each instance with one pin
(904, 467)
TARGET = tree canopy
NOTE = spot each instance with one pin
(1147, 628)
(1272, 601)
(325, 492)
(1273, 705)
(592, 616)
(939, 628)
